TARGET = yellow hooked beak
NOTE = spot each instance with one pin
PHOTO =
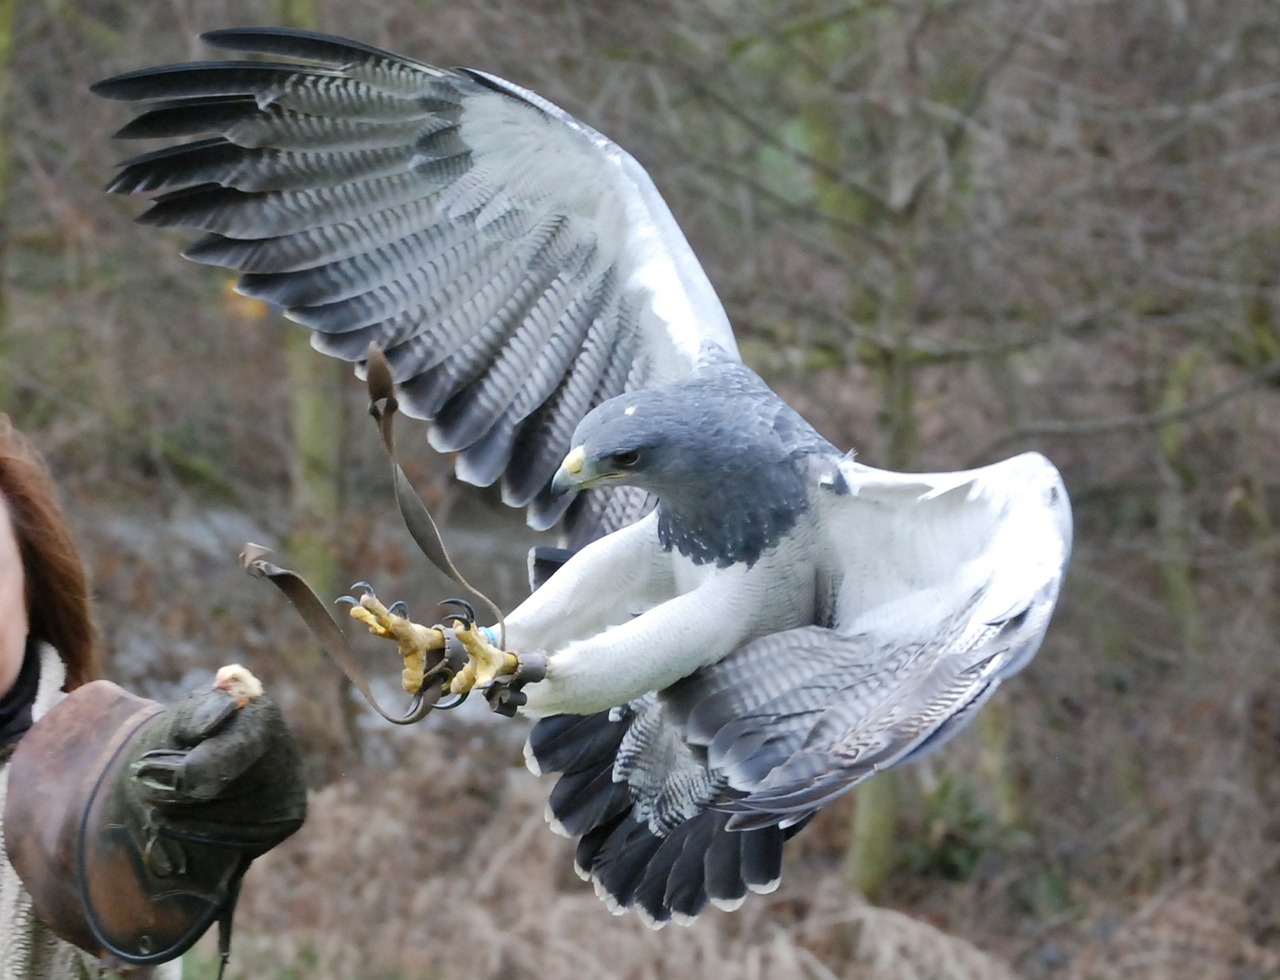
(573, 474)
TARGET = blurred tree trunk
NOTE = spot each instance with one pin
(7, 10)
(318, 424)
(1000, 766)
(888, 176)
(1172, 511)
(872, 843)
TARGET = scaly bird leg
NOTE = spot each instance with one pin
(414, 640)
(485, 662)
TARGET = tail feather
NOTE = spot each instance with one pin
(582, 801)
(621, 864)
(686, 894)
(569, 743)
(722, 868)
(652, 896)
(588, 850)
(761, 853)
(667, 872)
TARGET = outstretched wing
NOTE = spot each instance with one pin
(947, 586)
(850, 706)
(516, 266)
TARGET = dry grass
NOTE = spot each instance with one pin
(1199, 932)
(441, 870)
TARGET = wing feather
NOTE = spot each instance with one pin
(948, 593)
(517, 266)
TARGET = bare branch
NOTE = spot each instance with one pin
(1266, 374)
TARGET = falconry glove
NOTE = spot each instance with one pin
(132, 824)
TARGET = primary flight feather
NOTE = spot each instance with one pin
(751, 622)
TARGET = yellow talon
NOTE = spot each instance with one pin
(485, 662)
(360, 614)
(414, 640)
(414, 672)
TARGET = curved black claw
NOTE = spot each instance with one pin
(469, 612)
(450, 705)
(362, 587)
(398, 608)
(346, 600)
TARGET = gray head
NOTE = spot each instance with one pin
(719, 450)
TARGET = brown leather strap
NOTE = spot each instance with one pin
(334, 642)
(383, 404)
(441, 665)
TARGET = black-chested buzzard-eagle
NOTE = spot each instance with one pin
(753, 621)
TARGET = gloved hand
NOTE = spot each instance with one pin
(132, 825)
(221, 764)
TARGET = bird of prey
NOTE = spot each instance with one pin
(750, 622)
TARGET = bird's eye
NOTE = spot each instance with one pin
(626, 459)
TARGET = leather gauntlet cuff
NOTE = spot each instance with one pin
(108, 869)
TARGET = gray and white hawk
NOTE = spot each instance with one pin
(752, 622)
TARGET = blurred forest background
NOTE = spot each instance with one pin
(947, 230)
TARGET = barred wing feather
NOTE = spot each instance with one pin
(516, 266)
(948, 591)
